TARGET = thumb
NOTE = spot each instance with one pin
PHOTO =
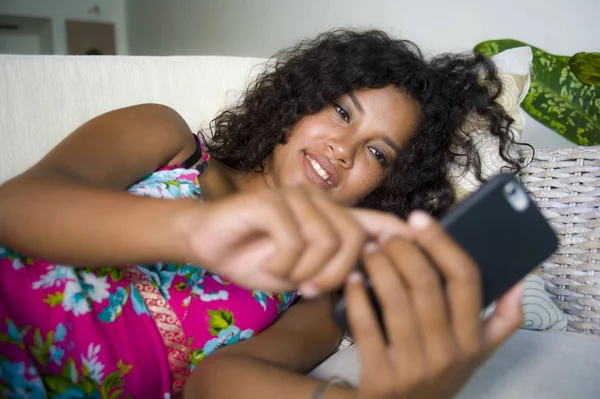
(380, 226)
(507, 317)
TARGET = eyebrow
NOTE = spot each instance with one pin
(392, 144)
(386, 139)
(356, 103)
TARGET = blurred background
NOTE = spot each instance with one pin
(260, 27)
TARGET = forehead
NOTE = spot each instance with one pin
(390, 111)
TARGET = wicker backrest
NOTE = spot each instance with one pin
(566, 185)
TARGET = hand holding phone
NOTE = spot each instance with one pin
(501, 230)
(436, 338)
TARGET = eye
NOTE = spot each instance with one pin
(379, 156)
(345, 115)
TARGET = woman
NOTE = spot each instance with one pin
(347, 121)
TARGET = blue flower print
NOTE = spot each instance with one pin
(60, 333)
(55, 354)
(22, 384)
(168, 184)
(13, 334)
(92, 363)
(161, 176)
(193, 274)
(228, 336)
(74, 299)
(285, 299)
(18, 261)
(198, 290)
(116, 301)
(160, 275)
(75, 392)
(219, 280)
(55, 277)
(138, 302)
(261, 297)
(95, 287)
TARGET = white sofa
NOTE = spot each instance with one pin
(43, 98)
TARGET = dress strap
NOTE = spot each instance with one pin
(199, 155)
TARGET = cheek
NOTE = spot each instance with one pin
(369, 185)
(362, 186)
(370, 177)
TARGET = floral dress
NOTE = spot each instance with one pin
(117, 332)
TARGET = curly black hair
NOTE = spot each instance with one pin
(313, 74)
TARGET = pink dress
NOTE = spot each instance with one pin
(111, 332)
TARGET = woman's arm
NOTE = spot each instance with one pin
(272, 364)
(71, 207)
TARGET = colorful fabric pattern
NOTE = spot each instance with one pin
(115, 332)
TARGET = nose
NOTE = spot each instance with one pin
(342, 151)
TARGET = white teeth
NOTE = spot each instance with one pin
(320, 171)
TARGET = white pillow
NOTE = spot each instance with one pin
(540, 312)
(514, 67)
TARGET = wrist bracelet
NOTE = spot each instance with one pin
(324, 385)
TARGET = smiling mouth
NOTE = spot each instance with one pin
(319, 170)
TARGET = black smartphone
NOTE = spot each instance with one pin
(500, 227)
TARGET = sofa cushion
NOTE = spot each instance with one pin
(514, 70)
(44, 98)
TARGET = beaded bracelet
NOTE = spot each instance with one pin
(324, 385)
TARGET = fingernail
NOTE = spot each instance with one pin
(419, 220)
(309, 291)
(370, 247)
(355, 278)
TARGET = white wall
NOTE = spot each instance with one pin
(260, 27)
(58, 11)
(17, 43)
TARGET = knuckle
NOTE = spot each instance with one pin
(390, 293)
(357, 236)
(445, 359)
(330, 245)
(468, 272)
(328, 281)
(443, 365)
(415, 376)
(426, 278)
(386, 388)
(364, 330)
(431, 234)
(472, 349)
(325, 239)
(293, 244)
(393, 244)
(334, 274)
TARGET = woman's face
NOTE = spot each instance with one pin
(346, 148)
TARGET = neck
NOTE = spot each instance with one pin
(220, 181)
(250, 181)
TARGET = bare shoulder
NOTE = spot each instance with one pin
(119, 147)
(299, 340)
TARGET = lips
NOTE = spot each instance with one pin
(323, 173)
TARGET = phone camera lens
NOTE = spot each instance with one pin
(516, 197)
(510, 189)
